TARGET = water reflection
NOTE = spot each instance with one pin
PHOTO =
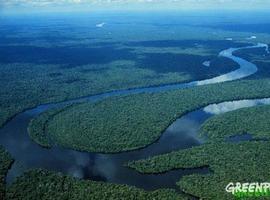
(246, 68)
(206, 63)
(224, 107)
(181, 134)
(109, 167)
(94, 166)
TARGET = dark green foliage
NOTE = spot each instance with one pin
(27, 85)
(187, 43)
(43, 61)
(242, 162)
(260, 58)
(5, 163)
(44, 185)
(38, 66)
(187, 64)
(253, 120)
(126, 123)
(37, 127)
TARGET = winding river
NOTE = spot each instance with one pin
(109, 167)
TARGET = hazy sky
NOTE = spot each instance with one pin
(130, 4)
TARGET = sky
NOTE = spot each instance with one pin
(54, 5)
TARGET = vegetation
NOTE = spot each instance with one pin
(53, 63)
(44, 185)
(27, 85)
(37, 127)
(258, 57)
(253, 120)
(229, 162)
(63, 58)
(126, 123)
(5, 163)
(41, 81)
(23, 74)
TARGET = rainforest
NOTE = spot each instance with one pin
(138, 104)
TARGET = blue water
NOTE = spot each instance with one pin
(109, 167)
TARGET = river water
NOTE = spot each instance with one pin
(182, 134)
